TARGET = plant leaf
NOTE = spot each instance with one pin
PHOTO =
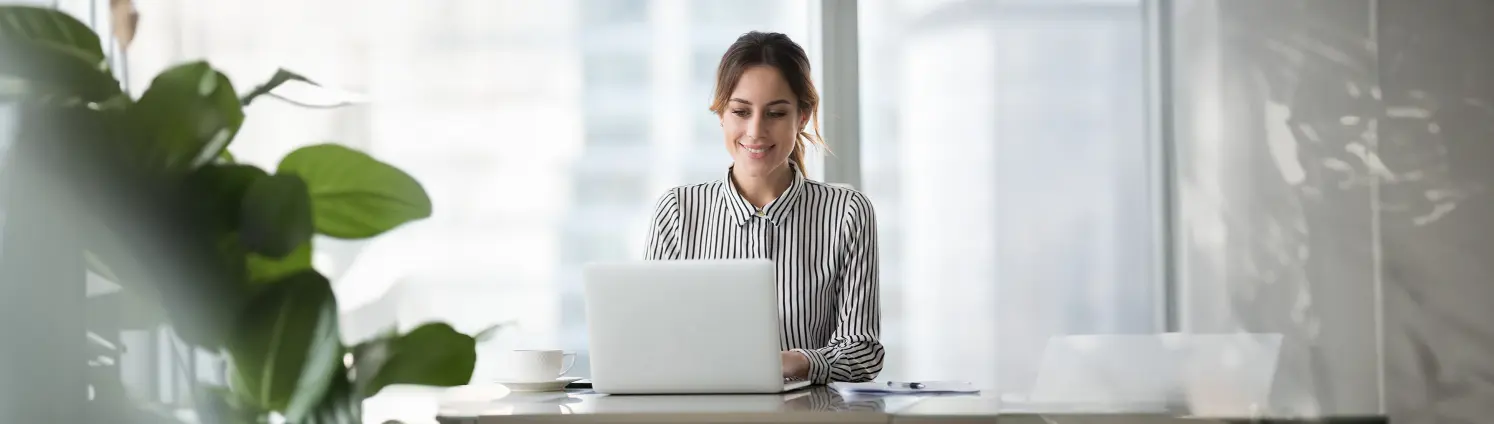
(48, 70)
(341, 405)
(285, 349)
(189, 114)
(220, 190)
(433, 355)
(354, 195)
(275, 217)
(264, 269)
(281, 76)
(205, 296)
(51, 26)
(56, 55)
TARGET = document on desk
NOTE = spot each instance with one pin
(912, 388)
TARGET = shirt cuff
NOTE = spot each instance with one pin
(819, 368)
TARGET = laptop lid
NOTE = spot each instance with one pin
(691, 326)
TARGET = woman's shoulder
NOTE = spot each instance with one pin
(838, 191)
(691, 191)
(840, 197)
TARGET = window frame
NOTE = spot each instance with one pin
(836, 39)
(838, 76)
(1162, 171)
(834, 45)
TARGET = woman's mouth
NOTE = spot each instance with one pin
(756, 151)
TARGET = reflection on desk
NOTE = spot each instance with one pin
(813, 404)
(492, 404)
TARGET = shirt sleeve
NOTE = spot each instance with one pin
(664, 231)
(854, 352)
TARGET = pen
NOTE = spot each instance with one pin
(913, 385)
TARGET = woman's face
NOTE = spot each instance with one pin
(761, 122)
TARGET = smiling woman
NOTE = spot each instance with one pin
(767, 73)
(821, 238)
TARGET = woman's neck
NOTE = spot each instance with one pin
(760, 190)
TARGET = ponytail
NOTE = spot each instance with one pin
(797, 157)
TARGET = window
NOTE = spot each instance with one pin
(1003, 145)
(616, 128)
(615, 12)
(753, 12)
(1002, 142)
(617, 70)
(543, 131)
(704, 66)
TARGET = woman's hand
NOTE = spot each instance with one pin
(795, 365)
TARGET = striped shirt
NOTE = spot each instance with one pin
(823, 241)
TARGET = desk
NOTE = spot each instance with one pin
(495, 405)
(812, 405)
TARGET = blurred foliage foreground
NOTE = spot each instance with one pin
(217, 250)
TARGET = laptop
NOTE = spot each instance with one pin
(684, 327)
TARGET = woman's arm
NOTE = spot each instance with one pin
(854, 352)
(664, 231)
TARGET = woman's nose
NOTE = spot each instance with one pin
(756, 127)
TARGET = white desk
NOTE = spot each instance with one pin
(814, 405)
(495, 405)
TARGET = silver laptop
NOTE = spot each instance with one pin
(682, 327)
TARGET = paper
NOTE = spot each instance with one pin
(929, 387)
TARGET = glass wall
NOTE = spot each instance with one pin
(1004, 146)
(1281, 172)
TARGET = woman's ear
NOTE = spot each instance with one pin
(803, 120)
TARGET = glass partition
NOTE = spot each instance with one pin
(1004, 145)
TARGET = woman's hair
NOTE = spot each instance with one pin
(776, 50)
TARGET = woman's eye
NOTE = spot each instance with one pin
(740, 112)
(777, 114)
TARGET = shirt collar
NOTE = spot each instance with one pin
(776, 211)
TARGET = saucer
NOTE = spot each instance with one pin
(538, 386)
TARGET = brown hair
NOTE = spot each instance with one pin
(776, 50)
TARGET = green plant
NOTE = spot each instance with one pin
(223, 248)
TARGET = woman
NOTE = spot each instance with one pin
(823, 239)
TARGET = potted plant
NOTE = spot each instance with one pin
(222, 250)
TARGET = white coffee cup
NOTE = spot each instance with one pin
(537, 365)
